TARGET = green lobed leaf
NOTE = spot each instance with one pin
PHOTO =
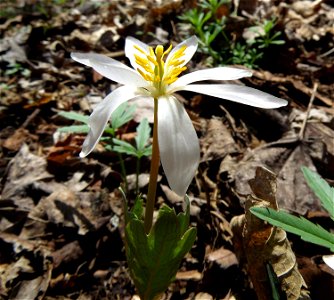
(143, 134)
(136, 240)
(298, 225)
(74, 129)
(72, 115)
(122, 115)
(124, 147)
(184, 218)
(321, 188)
(147, 151)
(137, 210)
(155, 258)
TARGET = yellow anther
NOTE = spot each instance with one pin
(179, 53)
(144, 75)
(141, 61)
(140, 49)
(176, 63)
(151, 52)
(168, 49)
(152, 60)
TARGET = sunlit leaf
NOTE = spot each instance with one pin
(74, 129)
(72, 115)
(321, 188)
(298, 225)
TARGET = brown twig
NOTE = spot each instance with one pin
(302, 129)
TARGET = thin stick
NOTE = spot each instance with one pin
(302, 129)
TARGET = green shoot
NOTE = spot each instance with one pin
(222, 48)
(265, 36)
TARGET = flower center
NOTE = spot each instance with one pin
(153, 68)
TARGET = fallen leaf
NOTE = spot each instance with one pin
(263, 245)
(218, 141)
(24, 170)
(189, 275)
(22, 259)
(20, 137)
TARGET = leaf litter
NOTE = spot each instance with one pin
(61, 218)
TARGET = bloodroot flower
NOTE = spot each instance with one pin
(155, 75)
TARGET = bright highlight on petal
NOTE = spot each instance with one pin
(220, 73)
(133, 45)
(188, 47)
(110, 68)
(178, 144)
(238, 93)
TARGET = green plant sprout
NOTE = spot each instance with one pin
(265, 36)
(243, 55)
(207, 26)
(17, 68)
(213, 5)
(122, 115)
(307, 230)
(222, 49)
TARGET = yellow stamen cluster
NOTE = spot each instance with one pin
(154, 69)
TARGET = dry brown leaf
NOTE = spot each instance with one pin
(302, 17)
(218, 141)
(189, 275)
(63, 208)
(22, 259)
(263, 244)
(202, 296)
(24, 170)
(285, 157)
(15, 141)
(297, 83)
(224, 258)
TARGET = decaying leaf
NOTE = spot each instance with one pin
(25, 170)
(25, 268)
(286, 157)
(15, 141)
(263, 245)
(218, 141)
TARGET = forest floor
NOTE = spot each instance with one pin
(61, 217)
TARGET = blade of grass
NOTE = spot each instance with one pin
(321, 188)
(298, 225)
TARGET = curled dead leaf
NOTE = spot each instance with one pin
(263, 245)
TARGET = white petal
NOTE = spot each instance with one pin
(101, 115)
(130, 50)
(220, 73)
(110, 68)
(178, 144)
(237, 93)
(85, 59)
(329, 260)
(191, 47)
